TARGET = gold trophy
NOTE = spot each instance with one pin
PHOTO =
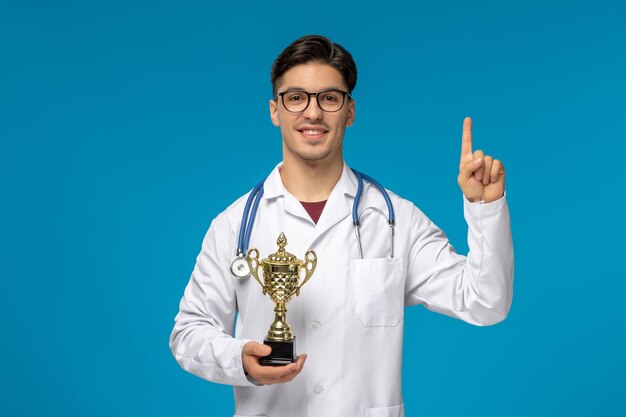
(281, 273)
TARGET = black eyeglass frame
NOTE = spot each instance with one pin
(343, 102)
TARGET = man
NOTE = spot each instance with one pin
(349, 316)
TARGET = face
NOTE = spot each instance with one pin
(313, 134)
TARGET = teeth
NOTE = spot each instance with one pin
(312, 132)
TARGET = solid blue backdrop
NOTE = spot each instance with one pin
(120, 125)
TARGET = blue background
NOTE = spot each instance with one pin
(120, 125)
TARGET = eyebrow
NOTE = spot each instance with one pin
(303, 90)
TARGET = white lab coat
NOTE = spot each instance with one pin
(349, 316)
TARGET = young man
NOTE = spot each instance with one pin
(349, 316)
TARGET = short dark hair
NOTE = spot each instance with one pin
(315, 48)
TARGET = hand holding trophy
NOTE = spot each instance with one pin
(280, 280)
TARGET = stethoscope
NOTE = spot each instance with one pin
(239, 266)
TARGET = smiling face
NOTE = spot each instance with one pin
(313, 134)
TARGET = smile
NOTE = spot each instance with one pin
(312, 133)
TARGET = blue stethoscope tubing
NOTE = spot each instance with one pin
(391, 218)
(247, 220)
(239, 266)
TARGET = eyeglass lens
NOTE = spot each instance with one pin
(297, 101)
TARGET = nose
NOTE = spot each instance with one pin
(313, 110)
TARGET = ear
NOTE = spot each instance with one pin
(351, 113)
(274, 112)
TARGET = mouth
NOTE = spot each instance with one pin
(313, 133)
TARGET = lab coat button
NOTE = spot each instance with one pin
(315, 325)
(318, 389)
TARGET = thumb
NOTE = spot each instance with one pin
(256, 349)
(469, 167)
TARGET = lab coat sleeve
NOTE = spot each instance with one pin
(202, 339)
(478, 288)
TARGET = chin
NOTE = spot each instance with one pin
(313, 155)
(312, 158)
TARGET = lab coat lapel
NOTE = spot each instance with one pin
(339, 204)
(294, 207)
(336, 209)
(274, 188)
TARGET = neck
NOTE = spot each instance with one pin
(310, 181)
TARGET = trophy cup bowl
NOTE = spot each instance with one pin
(281, 279)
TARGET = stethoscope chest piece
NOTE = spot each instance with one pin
(239, 267)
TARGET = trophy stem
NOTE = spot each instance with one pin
(280, 330)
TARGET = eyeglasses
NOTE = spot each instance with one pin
(296, 101)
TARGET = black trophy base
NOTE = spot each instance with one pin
(283, 353)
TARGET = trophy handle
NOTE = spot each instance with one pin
(254, 264)
(309, 264)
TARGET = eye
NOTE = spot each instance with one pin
(330, 97)
(295, 97)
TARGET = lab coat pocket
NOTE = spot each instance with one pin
(378, 290)
(395, 411)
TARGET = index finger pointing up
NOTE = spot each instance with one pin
(466, 145)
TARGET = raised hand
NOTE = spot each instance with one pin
(268, 375)
(480, 176)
